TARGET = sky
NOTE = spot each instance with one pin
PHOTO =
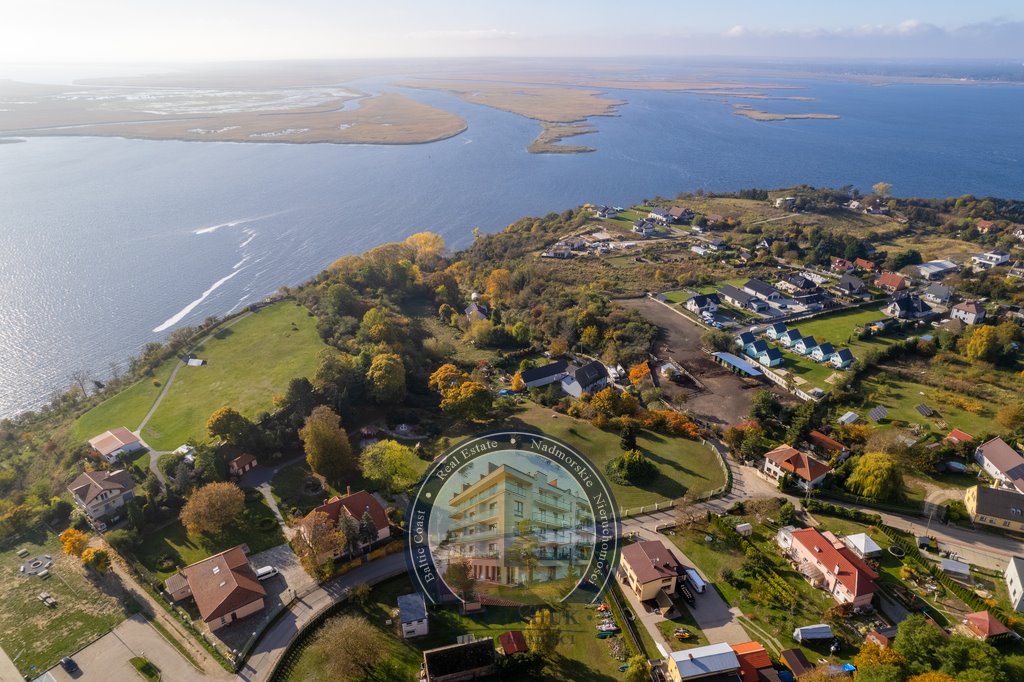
(126, 31)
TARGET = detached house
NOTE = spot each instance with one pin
(412, 615)
(785, 459)
(680, 214)
(771, 357)
(828, 564)
(536, 377)
(841, 265)
(865, 265)
(741, 299)
(851, 286)
(791, 336)
(589, 378)
(110, 445)
(762, 290)
(968, 312)
(842, 359)
(660, 215)
(775, 330)
(891, 282)
(1002, 463)
(757, 348)
(703, 303)
(224, 587)
(476, 312)
(822, 353)
(995, 507)
(907, 307)
(354, 506)
(102, 494)
(805, 345)
(1014, 575)
(745, 341)
(650, 567)
(992, 259)
(937, 293)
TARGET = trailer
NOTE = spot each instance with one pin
(696, 581)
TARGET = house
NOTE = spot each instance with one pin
(512, 642)
(589, 378)
(891, 282)
(992, 259)
(680, 214)
(771, 357)
(936, 269)
(841, 265)
(717, 244)
(827, 563)
(785, 202)
(984, 625)
(797, 285)
(110, 445)
(703, 303)
(762, 290)
(605, 211)
(700, 250)
(984, 226)
(766, 243)
(242, 464)
(863, 546)
(476, 312)
(412, 615)
(660, 215)
(968, 312)
(745, 341)
(937, 293)
(806, 470)
(741, 299)
(774, 330)
(819, 442)
(823, 353)
(842, 359)
(224, 587)
(995, 507)
(458, 662)
(1014, 575)
(882, 637)
(535, 377)
(644, 228)
(563, 251)
(865, 265)
(755, 663)
(354, 506)
(956, 436)
(796, 661)
(102, 494)
(756, 348)
(1002, 463)
(714, 661)
(851, 285)
(907, 307)
(790, 337)
(805, 345)
(649, 567)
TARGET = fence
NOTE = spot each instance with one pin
(671, 504)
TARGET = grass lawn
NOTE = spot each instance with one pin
(127, 408)
(682, 464)
(580, 655)
(934, 246)
(257, 528)
(247, 364)
(36, 636)
(684, 619)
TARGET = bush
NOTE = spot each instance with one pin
(631, 468)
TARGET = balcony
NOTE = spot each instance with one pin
(550, 519)
(548, 501)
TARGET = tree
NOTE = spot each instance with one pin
(97, 559)
(881, 673)
(469, 400)
(639, 372)
(542, 633)
(980, 343)
(499, 286)
(348, 530)
(718, 340)
(962, 654)
(607, 401)
(393, 465)
(74, 541)
(228, 425)
(321, 535)
(765, 406)
(517, 382)
(299, 399)
(918, 641)
(877, 476)
(367, 529)
(123, 540)
(787, 514)
(590, 337)
(639, 670)
(428, 246)
(446, 377)
(882, 189)
(326, 445)
(459, 577)
(212, 508)
(871, 655)
(932, 676)
(558, 347)
(386, 378)
(349, 647)
(1011, 416)
(361, 593)
(627, 437)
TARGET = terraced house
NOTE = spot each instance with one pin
(507, 510)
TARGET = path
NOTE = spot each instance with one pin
(8, 671)
(260, 478)
(772, 220)
(275, 639)
(155, 455)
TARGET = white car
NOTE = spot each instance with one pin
(266, 572)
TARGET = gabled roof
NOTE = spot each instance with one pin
(760, 287)
(792, 334)
(549, 370)
(854, 574)
(705, 660)
(703, 299)
(746, 338)
(88, 486)
(820, 440)
(864, 264)
(850, 283)
(651, 560)
(863, 543)
(800, 282)
(808, 342)
(984, 625)
(679, 212)
(778, 327)
(798, 463)
(752, 657)
(772, 354)
(958, 436)
(999, 503)
(972, 307)
(113, 440)
(459, 658)
(845, 354)
(891, 280)
(729, 291)
(355, 505)
(759, 346)
(659, 212)
(590, 373)
(512, 642)
(938, 291)
(223, 583)
(826, 348)
(1004, 458)
(411, 607)
(242, 461)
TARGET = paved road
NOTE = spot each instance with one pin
(275, 640)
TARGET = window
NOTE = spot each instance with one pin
(517, 508)
(493, 547)
(492, 506)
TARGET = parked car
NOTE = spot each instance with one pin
(266, 572)
(69, 665)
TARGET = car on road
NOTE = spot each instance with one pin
(69, 665)
(266, 572)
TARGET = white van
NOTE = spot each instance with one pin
(696, 581)
(266, 572)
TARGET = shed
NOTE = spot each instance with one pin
(795, 660)
(737, 363)
(849, 418)
(744, 529)
(956, 569)
(512, 642)
(812, 632)
(863, 546)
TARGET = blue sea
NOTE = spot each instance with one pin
(107, 244)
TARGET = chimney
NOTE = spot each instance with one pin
(837, 569)
(348, 490)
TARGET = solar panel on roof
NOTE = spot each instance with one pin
(924, 410)
(878, 413)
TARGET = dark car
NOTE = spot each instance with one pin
(69, 665)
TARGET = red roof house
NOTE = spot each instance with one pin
(891, 282)
(820, 441)
(957, 436)
(353, 505)
(984, 625)
(755, 663)
(512, 642)
(784, 459)
(241, 464)
(829, 564)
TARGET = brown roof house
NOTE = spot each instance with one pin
(223, 586)
(785, 459)
(102, 494)
(242, 464)
(354, 506)
(984, 625)
(891, 282)
(112, 444)
(650, 567)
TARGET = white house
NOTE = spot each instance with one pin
(745, 341)
(1014, 576)
(992, 259)
(762, 290)
(589, 378)
(770, 357)
(822, 353)
(700, 250)
(412, 615)
(790, 337)
(661, 215)
(785, 459)
(842, 359)
(755, 349)
(774, 331)
(110, 445)
(968, 312)
(937, 269)
(741, 299)
(703, 303)
(102, 494)
(805, 345)
(536, 377)
(716, 660)
(1002, 463)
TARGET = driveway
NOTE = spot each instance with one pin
(718, 621)
(107, 659)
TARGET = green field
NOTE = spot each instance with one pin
(580, 656)
(36, 636)
(128, 408)
(682, 464)
(258, 528)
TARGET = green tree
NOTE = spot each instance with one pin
(961, 655)
(787, 514)
(1011, 416)
(918, 642)
(881, 673)
(469, 400)
(765, 406)
(639, 670)
(877, 476)
(459, 577)
(542, 633)
(349, 647)
(386, 378)
(367, 529)
(328, 451)
(590, 337)
(393, 465)
(627, 437)
(212, 508)
(228, 425)
(980, 343)
(882, 189)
